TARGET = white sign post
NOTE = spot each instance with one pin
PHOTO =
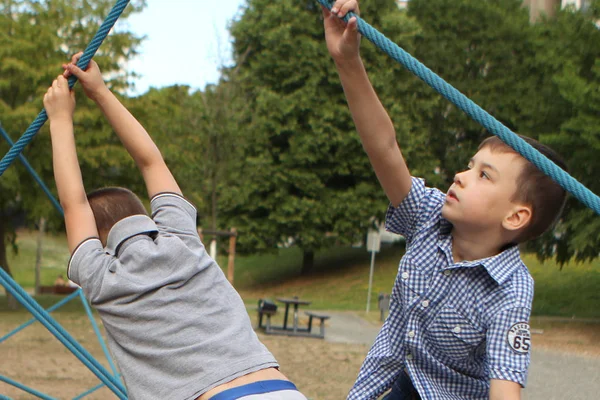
(373, 245)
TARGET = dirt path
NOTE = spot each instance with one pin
(566, 360)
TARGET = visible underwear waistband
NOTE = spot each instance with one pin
(259, 387)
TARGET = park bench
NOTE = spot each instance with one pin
(321, 317)
(268, 308)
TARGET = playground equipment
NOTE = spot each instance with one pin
(112, 381)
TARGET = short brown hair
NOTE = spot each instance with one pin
(534, 188)
(112, 204)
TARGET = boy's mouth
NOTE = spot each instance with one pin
(451, 195)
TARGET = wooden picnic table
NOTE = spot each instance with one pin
(296, 302)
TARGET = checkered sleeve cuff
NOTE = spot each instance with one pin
(509, 375)
(509, 345)
(402, 219)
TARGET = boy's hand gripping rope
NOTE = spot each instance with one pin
(83, 62)
(477, 113)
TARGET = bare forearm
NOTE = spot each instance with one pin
(132, 134)
(67, 173)
(138, 144)
(376, 131)
(372, 122)
(504, 390)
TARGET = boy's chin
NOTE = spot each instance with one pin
(447, 213)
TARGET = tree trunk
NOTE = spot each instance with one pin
(213, 198)
(308, 261)
(38, 254)
(12, 302)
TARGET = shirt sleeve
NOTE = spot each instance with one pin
(175, 215)
(509, 345)
(88, 266)
(378, 372)
(418, 207)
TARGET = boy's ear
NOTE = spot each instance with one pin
(518, 217)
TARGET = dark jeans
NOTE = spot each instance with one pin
(403, 389)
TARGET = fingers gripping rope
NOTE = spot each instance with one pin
(89, 52)
(477, 113)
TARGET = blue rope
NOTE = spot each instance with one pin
(33, 173)
(477, 113)
(62, 335)
(89, 391)
(24, 388)
(83, 62)
(32, 320)
(88, 310)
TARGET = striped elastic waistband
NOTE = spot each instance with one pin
(254, 388)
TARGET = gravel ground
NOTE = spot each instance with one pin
(565, 360)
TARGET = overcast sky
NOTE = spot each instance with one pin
(186, 41)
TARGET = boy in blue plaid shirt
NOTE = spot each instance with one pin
(458, 324)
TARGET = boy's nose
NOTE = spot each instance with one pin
(458, 179)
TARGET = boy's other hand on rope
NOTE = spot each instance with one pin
(343, 40)
(91, 79)
(59, 101)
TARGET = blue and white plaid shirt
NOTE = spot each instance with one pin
(452, 326)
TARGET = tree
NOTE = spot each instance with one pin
(36, 37)
(304, 179)
(539, 80)
(483, 48)
(573, 52)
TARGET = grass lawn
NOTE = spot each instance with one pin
(339, 280)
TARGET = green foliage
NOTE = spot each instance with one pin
(303, 177)
(481, 48)
(197, 134)
(577, 86)
(272, 150)
(539, 80)
(36, 38)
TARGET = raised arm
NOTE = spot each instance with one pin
(137, 142)
(373, 123)
(59, 103)
(504, 390)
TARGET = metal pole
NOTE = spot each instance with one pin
(370, 280)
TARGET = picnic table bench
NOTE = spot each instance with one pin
(268, 308)
(322, 317)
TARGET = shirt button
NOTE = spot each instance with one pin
(456, 329)
(411, 334)
(425, 303)
(447, 272)
(409, 356)
(404, 275)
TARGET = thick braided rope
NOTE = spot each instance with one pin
(62, 335)
(83, 62)
(477, 113)
(35, 176)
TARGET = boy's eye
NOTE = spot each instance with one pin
(484, 175)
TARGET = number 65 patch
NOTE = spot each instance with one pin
(519, 337)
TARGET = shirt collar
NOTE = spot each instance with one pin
(127, 228)
(500, 267)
